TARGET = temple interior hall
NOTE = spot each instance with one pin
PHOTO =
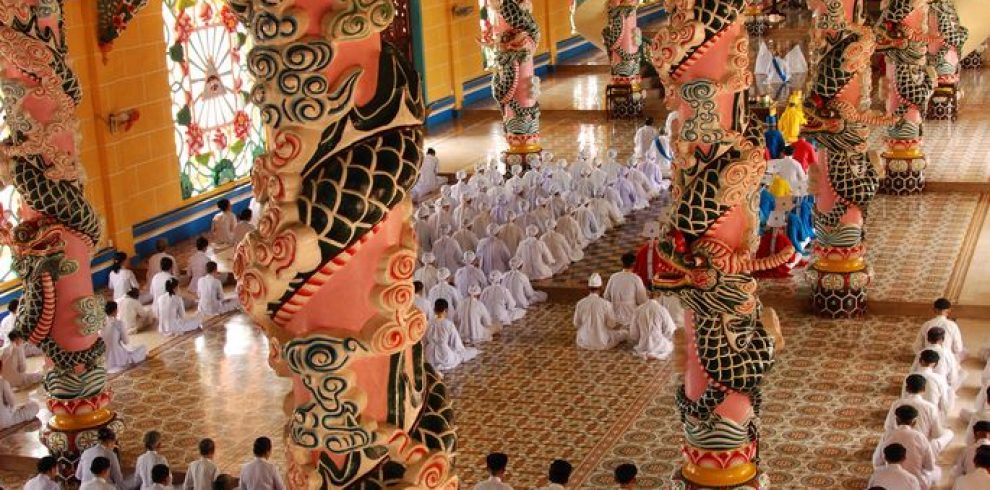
(307, 165)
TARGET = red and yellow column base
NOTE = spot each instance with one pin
(73, 428)
(904, 169)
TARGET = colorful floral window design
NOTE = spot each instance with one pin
(11, 202)
(218, 132)
(487, 34)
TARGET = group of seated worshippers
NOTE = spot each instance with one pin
(558, 476)
(917, 426)
(99, 468)
(624, 312)
(486, 238)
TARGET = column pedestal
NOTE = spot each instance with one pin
(694, 477)
(973, 61)
(839, 280)
(944, 104)
(624, 101)
(67, 443)
(904, 172)
(522, 155)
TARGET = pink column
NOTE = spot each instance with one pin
(945, 51)
(328, 273)
(54, 242)
(902, 36)
(707, 249)
(622, 40)
(844, 180)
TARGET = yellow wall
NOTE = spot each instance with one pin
(133, 175)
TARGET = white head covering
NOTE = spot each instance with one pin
(428, 258)
(551, 224)
(613, 153)
(651, 229)
(469, 257)
(461, 174)
(516, 169)
(515, 262)
(532, 230)
(445, 229)
(474, 290)
(595, 281)
(445, 190)
(492, 229)
(443, 274)
(495, 276)
(422, 212)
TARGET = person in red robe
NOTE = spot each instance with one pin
(805, 153)
(647, 258)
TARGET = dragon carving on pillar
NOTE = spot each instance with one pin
(901, 34)
(945, 55)
(54, 242)
(515, 86)
(707, 248)
(328, 272)
(845, 181)
(622, 41)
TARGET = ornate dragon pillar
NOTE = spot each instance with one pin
(845, 180)
(328, 272)
(706, 252)
(54, 242)
(622, 41)
(901, 34)
(515, 85)
(945, 53)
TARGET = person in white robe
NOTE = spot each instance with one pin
(776, 70)
(652, 331)
(672, 124)
(13, 362)
(474, 322)
(937, 389)
(442, 345)
(135, 316)
(441, 216)
(535, 256)
(501, 210)
(45, 478)
(11, 413)
(563, 252)
(519, 285)
(466, 210)
(171, 312)
(121, 279)
(981, 437)
(611, 194)
(514, 183)
(465, 236)
(482, 221)
(511, 234)
(920, 460)
(595, 320)
(953, 339)
(222, 227)
(458, 189)
(158, 283)
(891, 474)
(672, 303)
(150, 459)
(427, 273)
(420, 301)
(196, 267)
(255, 208)
(979, 478)
(499, 301)
(625, 290)
(447, 251)
(155, 263)
(424, 231)
(645, 136)
(607, 214)
(591, 227)
(571, 231)
(642, 184)
(445, 291)
(541, 214)
(493, 254)
(244, 225)
(948, 366)
(7, 325)
(633, 197)
(429, 178)
(480, 179)
(929, 421)
(469, 275)
(120, 354)
(212, 300)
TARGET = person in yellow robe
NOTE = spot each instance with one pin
(792, 119)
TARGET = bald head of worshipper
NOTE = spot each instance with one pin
(560, 472)
(628, 261)
(440, 307)
(915, 384)
(625, 475)
(928, 358)
(906, 415)
(161, 475)
(496, 463)
(935, 336)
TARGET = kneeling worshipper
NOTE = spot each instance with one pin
(445, 291)
(13, 363)
(423, 230)
(606, 212)
(447, 251)
(196, 266)
(937, 389)
(120, 354)
(245, 225)
(429, 178)
(499, 301)
(419, 299)
(892, 474)
(595, 320)
(981, 439)
(625, 291)
(469, 275)
(12, 414)
(929, 421)
(591, 228)
(121, 279)
(979, 478)
(442, 344)
(493, 254)
(134, 315)
(465, 237)
(155, 264)
(563, 252)
(474, 322)
(652, 331)
(536, 257)
(222, 227)
(517, 282)
(569, 228)
(948, 366)
(427, 273)
(212, 300)
(171, 312)
(953, 339)
(648, 259)
(920, 460)
(7, 326)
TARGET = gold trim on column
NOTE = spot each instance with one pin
(64, 422)
(715, 477)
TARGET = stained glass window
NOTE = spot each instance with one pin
(11, 202)
(218, 132)
(487, 34)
